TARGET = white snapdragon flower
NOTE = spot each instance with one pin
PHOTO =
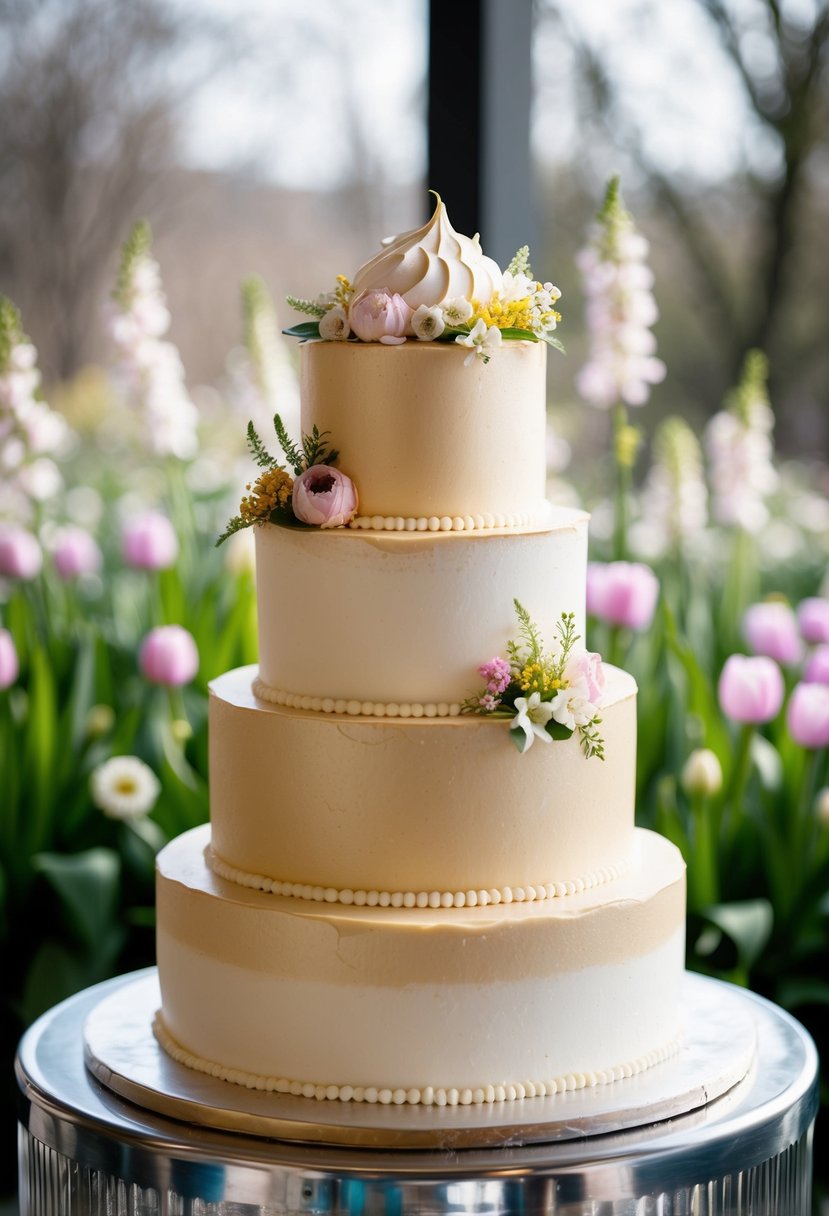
(482, 341)
(674, 501)
(456, 312)
(428, 323)
(740, 450)
(124, 787)
(572, 706)
(532, 717)
(334, 324)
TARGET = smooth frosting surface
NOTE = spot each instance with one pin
(415, 805)
(407, 617)
(423, 435)
(456, 997)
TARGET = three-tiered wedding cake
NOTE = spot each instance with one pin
(392, 903)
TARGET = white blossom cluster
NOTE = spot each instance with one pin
(738, 443)
(31, 433)
(619, 311)
(151, 366)
(674, 500)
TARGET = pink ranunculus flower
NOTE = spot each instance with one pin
(380, 316)
(168, 656)
(587, 668)
(816, 670)
(751, 689)
(807, 715)
(9, 665)
(20, 553)
(324, 496)
(149, 542)
(813, 619)
(623, 594)
(770, 629)
(75, 552)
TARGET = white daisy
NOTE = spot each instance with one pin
(124, 787)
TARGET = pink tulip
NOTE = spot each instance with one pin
(75, 553)
(9, 666)
(622, 593)
(149, 542)
(324, 496)
(813, 619)
(751, 689)
(20, 555)
(770, 629)
(168, 655)
(380, 316)
(817, 666)
(808, 715)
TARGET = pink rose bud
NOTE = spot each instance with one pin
(587, 668)
(168, 655)
(9, 666)
(751, 689)
(813, 619)
(20, 555)
(75, 552)
(623, 594)
(808, 715)
(817, 666)
(380, 316)
(324, 496)
(771, 629)
(149, 542)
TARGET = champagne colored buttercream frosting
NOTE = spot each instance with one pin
(432, 264)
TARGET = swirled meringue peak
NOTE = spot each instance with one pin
(431, 265)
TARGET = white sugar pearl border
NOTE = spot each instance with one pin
(489, 521)
(529, 893)
(427, 1095)
(353, 707)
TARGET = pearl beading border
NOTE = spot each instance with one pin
(528, 893)
(353, 707)
(489, 521)
(427, 1095)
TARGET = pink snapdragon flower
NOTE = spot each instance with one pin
(497, 675)
(75, 552)
(622, 593)
(9, 665)
(807, 715)
(380, 316)
(816, 670)
(813, 619)
(324, 496)
(751, 689)
(20, 553)
(149, 542)
(770, 629)
(168, 656)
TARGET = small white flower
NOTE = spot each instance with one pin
(572, 706)
(124, 787)
(532, 717)
(427, 323)
(334, 325)
(482, 341)
(457, 311)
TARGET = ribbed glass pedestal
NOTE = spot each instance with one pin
(87, 1150)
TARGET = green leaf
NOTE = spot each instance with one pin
(768, 763)
(39, 747)
(292, 452)
(520, 335)
(87, 885)
(555, 343)
(303, 331)
(141, 840)
(519, 738)
(747, 923)
(258, 451)
(557, 730)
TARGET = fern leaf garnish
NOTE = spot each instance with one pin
(257, 448)
(236, 524)
(311, 308)
(315, 447)
(294, 454)
(529, 631)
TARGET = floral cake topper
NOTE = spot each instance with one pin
(318, 494)
(545, 695)
(435, 285)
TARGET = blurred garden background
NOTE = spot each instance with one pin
(169, 173)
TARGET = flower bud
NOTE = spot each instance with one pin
(822, 807)
(808, 715)
(20, 555)
(149, 542)
(622, 593)
(702, 773)
(75, 552)
(100, 720)
(770, 629)
(168, 656)
(816, 670)
(813, 619)
(380, 316)
(324, 496)
(751, 690)
(9, 665)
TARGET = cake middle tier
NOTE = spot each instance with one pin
(353, 808)
(396, 617)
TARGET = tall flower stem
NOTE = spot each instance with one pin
(739, 776)
(624, 471)
(704, 876)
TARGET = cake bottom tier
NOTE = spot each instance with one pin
(420, 1005)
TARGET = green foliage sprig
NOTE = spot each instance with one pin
(311, 308)
(520, 263)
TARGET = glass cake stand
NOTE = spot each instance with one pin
(110, 1126)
